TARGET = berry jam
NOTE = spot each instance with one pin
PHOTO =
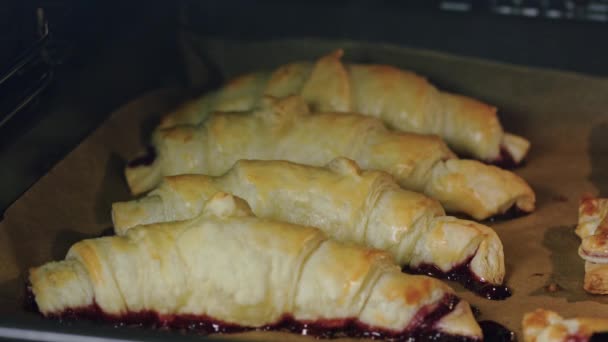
(496, 332)
(463, 275)
(422, 327)
(597, 337)
(146, 160)
(512, 213)
(29, 300)
(505, 160)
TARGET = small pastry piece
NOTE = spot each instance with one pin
(234, 271)
(350, 205)
(592, 228)
(286, 130)
(402, 99)
(547, 326)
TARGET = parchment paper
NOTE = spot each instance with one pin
(563, 114)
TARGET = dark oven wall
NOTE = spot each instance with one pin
(570, 41)
(101, 54)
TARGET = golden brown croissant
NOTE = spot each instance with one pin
(285, 130)
(402, 99)
(234, 271)
(547, 326)
(349, 205)
(593, 230)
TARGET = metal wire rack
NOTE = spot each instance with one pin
(29, 75)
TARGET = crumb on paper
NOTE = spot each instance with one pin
(552, 287)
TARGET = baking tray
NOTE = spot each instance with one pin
(563, 114)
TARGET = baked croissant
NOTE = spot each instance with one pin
(547, 326)
(402, 99)
(592, 228)
(232, 270)
(349, 205)
(285, 130)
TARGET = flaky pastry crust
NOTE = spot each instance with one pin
(286, 130)
(235, 268)
(351, 205)
(592, 228)
(400, 98)
(548, 326)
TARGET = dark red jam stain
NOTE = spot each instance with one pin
(597, 337)
(29, 300)
(107, 232)
(463, 275)
(505, 160)
(145, 160)
(513, 213)
(496, 332)
(422, 327)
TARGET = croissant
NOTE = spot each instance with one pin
(349, 205)
(402, 99)
(547, 326)
(592, 228)
(228, 270)
(285, 130)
